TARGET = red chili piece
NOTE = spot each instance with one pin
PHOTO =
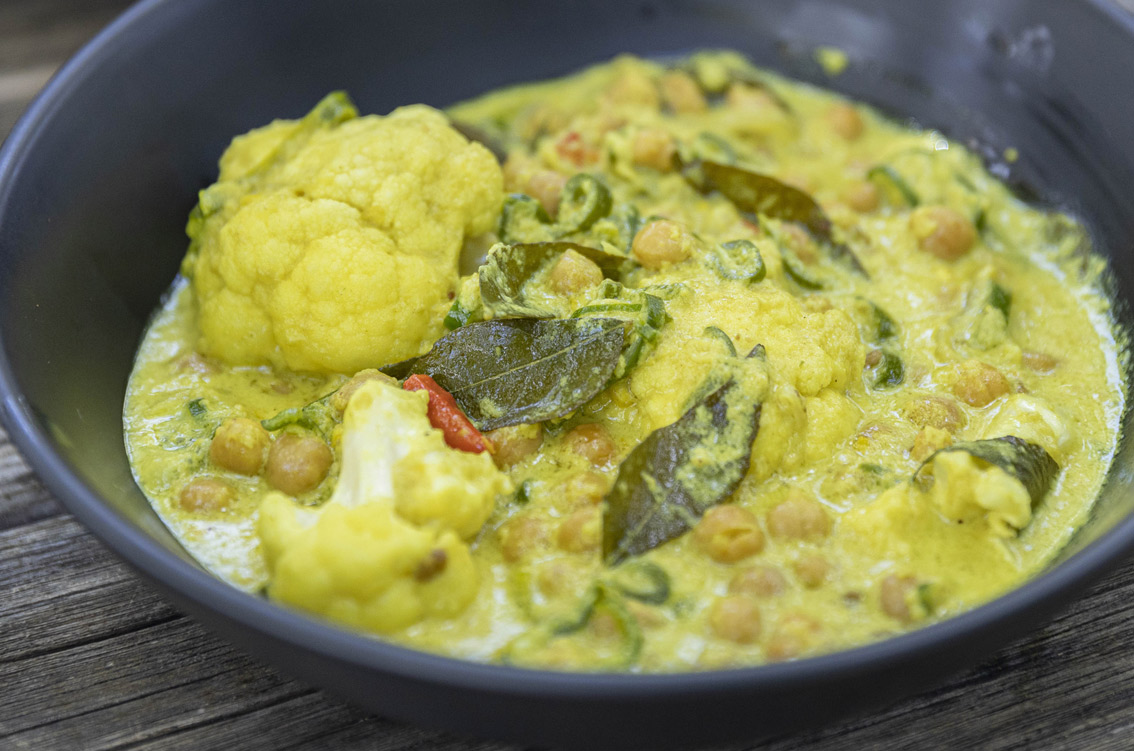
(446, 416)
(574, 149)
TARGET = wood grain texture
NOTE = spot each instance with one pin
(90, 658)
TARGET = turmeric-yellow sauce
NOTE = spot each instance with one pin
(803, 377)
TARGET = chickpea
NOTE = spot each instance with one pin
(239, 445)
(581, 530)
(862, 196)
(682, 93)
(845, 121)
(636, 87)
(546, 186)
(1040, 362)
(978, 384)
(591, 441)
(205, 494)
(742, 96)
(520, 536)
(758, 581)
(894, 593)
(799, 517)
(654, 148)
(341, 398)
(512, 444)
(298, 463)
(572, 273)
(812, 570)
(736, 618)
(942, 232)
(728, 534)
(793, 635)
(556, 578)
(934, 412)
(927, 441)
(661, 242)
(587, 488)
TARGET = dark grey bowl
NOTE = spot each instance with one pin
(98, 177)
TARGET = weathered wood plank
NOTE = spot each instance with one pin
(313, 721)
(91, 658)
(23, 499)
(145, 678)
(123, 690)
(62, 589)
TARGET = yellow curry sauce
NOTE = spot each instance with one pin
(935, 402)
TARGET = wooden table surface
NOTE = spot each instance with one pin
(91, 658)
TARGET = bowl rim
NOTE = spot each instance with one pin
(324, 638)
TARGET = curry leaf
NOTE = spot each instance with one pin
(509, 268)
(490, 141)
(681, 470)
(764, 195)
(1027, 462)
(506, 272)
(524, 370)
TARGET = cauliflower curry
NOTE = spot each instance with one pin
(651, 368)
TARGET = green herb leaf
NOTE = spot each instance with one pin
(505, 274)
(316, 416)
(894, 188)
(678, 472)
(737, 260)
(523, 493)
(764, 195)
(884, 327)
(523, 219)
(619, 655)
(457, 316)
(197, 409)
(640, 580)
(984, 323)
(510, 268)
(999, 299)
(479, 135)
(723, 338)
(708, 146)
(890, 372)
(644, 313)
(617, 229)
(1027, 462)
(798, 271)
(583, 201)
(526, 370)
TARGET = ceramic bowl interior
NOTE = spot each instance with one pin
(97, 180)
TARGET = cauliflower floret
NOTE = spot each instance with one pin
(330, 243)
(386, 550)
(808, 351)
(1033, 419)
(965, 491)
